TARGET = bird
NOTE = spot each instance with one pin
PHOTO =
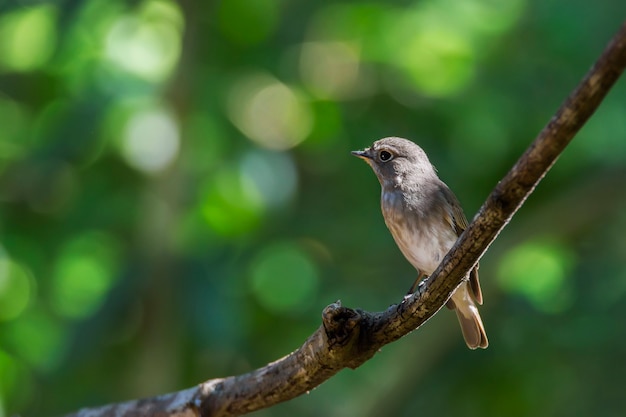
(425, 219)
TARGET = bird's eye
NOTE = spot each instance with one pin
(385, 156)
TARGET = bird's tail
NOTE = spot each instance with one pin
(469, 319)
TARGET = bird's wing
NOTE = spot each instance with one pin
(457, 220)
(454, 215)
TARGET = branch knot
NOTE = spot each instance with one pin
(340, 324)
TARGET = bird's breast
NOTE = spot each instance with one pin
(423, 236)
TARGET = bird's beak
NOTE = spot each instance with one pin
(364, 154)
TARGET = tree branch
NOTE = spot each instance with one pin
(347, 337)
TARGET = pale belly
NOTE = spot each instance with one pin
(425, 248)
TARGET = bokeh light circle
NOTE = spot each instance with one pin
(284, 278)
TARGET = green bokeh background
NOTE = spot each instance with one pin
(178, 201)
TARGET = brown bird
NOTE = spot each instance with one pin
(425, 219)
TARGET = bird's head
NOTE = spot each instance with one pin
(395, 160)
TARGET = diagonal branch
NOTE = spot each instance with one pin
(347, 337)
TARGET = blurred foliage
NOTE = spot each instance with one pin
(178, 201)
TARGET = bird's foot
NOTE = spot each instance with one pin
(416, 284)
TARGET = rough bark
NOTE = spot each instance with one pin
(348, 337)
